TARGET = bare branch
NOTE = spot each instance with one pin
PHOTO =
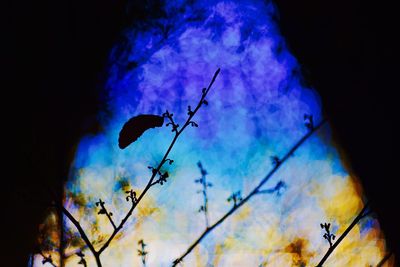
(155, 171)
(385, 259)
(255, 191)
(328, 235)
(142, 251)
(276, 188)
(103, 210)
(47, 259)
(203, 181)
(333, 246)
(236, 198)
(165, 159)
(83, 235)
(82, 260)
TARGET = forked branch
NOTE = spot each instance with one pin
(152, 181)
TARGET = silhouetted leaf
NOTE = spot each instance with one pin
(136, 126)
(102, 211)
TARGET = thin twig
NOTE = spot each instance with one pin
(255, 191)
(151, 181)
(328, 235)
(83, 235)
(385, 259)
(82, 260)
(205, 185)
(361, 215)
(142, 251)
(61, 233)
(47, 259)
(276, 188)
(104, 210)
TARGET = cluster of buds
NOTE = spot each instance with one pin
(47, 259)
(103, 209)
(82, 260)
(203, 181)
(328, 235)
(236, 198)
(275, 160)
(169, 116)
(162, 176)
(131, 196)
(142, 251)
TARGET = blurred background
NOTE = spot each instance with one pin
(56, 52)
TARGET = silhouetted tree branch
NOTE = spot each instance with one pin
(276, 188)
(238, 202)
(152, 181)
(328, 235)
(142, 251)
(103, 210)
(385, 259)
(47, 259)
(203, 181)
(82, 260)
(235, 197)
(83, 235)
(363, 213)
